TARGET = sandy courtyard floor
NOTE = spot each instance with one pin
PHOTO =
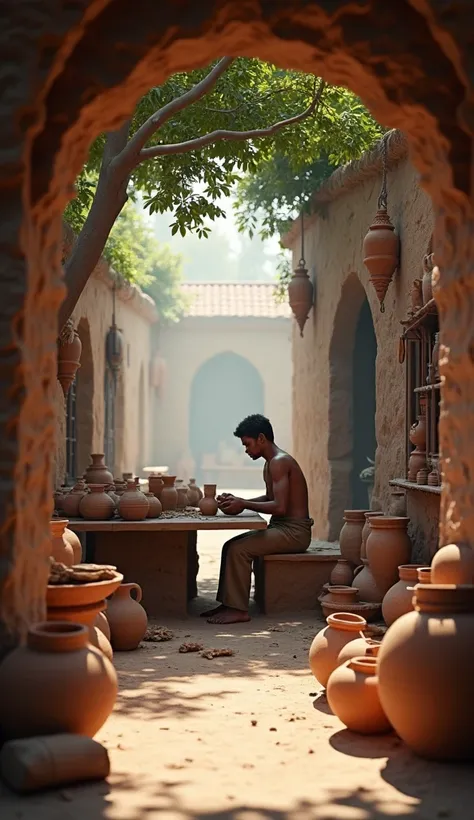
(243, 738)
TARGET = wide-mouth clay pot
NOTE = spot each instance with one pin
(67, 595)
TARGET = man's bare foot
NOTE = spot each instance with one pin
(209, 612)
(229, 616)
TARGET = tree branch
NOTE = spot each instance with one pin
(222, 134)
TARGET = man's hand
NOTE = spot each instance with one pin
(222, 497)
(231, 505)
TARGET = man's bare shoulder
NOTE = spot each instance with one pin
(281, 462)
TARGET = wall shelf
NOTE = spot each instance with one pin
(411, 485)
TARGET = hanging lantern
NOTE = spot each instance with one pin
(69, 355)
(300, 288)
(114, 342)
(381, 247)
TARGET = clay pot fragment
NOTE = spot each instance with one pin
(208, 504)
(126, 617)
(352, 694)
(324, 652)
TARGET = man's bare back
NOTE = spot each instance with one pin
(297, 504)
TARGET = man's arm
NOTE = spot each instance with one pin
(279, 471)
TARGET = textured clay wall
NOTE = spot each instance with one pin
(322, 365)
(266, 343)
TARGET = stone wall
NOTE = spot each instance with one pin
(322, 363)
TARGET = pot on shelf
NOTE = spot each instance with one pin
(169, 495)
(71, 501)
(156, 484)
(350, 538)
(127, 619)
(208, 504)
(97, 472)
(418, 433)
(133, 505)
(399, 598)
(324, 652)
(388, 546)
(96, 505)
(182, 491)
(416, 462)
(353, 696)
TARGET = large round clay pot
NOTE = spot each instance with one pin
(365, 583)
(133, 505)
(74, 542)
(71, 501)
(156, 484)
(424, 575)
(366, 530)
(350, 538)
(426, 673)
(208, 504)
(399, 598)
(86, 616)
(359, 646)
(353, 696)
(61, 549)
(97, 472)
(182, 491)
(154, 506)
(342, 627)
(56, 683)
(96, 505)
(453, 564)
(169, 495)
(388, 546)
(127, 619)
(194, 493)
(342, 573)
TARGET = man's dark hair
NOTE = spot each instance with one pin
(252, 426)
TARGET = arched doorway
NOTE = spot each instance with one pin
(84, 400)
(224, 390)
(352, 398)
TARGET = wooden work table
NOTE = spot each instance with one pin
(160, 554)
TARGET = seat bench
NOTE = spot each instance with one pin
(292, 583)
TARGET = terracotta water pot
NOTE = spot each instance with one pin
(86, 616)
(416, 462)
(97, 472)
(154, 506)
(56, 683)
(424, 575)
(324, 652)
(426, 674)
(169, 495)
(156, 484)
(366, 530)
(127, 619)
(381, 249)
(61, 549)
(342, 573)
(182, 491)
(388, 546)
(208, 504)
(300, 295)
(359, 646)
(71, 501)
(350, 538)
(365, 583)
(74, 542)
(399, 598)
(69, 356)
(453, 564)
(353, 696)
(96, 505)
(194, 493)
(418, 433)
(133, 504)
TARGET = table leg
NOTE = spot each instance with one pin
(193, 565)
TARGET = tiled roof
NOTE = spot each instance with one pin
(238, 299)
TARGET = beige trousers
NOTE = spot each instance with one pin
(283, 535)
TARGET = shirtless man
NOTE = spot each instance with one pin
(285, 499)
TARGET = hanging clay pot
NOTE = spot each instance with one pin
(61, 549)
(426, 674)
(69, 356)
(366, 530)
(364, 581)
(155, 484)
(56, 683)
(127, 619)
(453, 564)
(381, 250)
(427, 288)
(342, 573)
(323, 655)
(194, 493)
(96, 505)
(133, 505)
(353, 696)
(70, 503)
(182, 491)
(208, 504)
(416, 462)
(97, 472)
(359, 646)
(350, 538)
(169, 495)
(398, 503)
(154, 506)
(73, 540)
(399, 598)
(388, 546)
(300, 295)
(418, 433)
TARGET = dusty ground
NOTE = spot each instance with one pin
(243, 738)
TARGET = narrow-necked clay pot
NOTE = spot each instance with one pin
(342, 573)
(156, 484)
(352, 694)
(388, 546)
(133, 505)
(350, 538)
(169, 495)
(342, 627)
(70, 502)
(359, 646)
(453, 564)
(365, 583)
(56, 683)
(127, 619)
(424, 575)
(61, 549)
(366, 530)
(97, 472)
(208, 504)
(194, 493)
(182, 491)
(399, 598)
(96, 505)
(154, 506)
(426, 673)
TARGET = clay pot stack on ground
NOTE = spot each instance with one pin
(208, 504)
(126, 618)
(341, 629)
(353, 696)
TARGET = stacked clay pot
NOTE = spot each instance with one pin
(208, 504)
(388, 546)
(399, 598)
(339, 599)
(61, 549)
(453, 564)
(324, 651)
(169, 495)
(97, 472)
(194, 493)
(426, 673)
(353, 696)
(154, 506)
(359, 646)
(126, 618)
(71, 501)
(365, 531)
(96, 505)
(424, 575)
(342, 573)
(57, 683)
(350, 538)
(133, 505)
